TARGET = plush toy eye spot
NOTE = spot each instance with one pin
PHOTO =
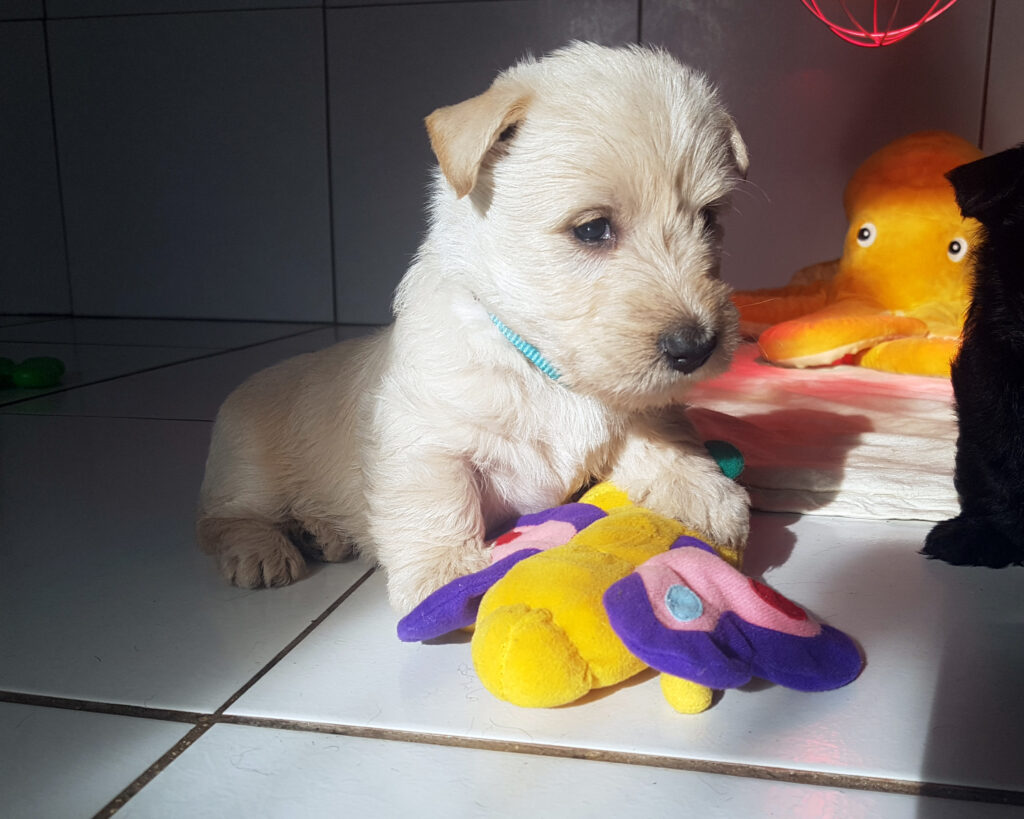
(683, 603)
(957, 249)
(866, 235)
(594, 232)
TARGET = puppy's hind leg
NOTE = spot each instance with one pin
(322, 539)
(251, 552)
(243, 520)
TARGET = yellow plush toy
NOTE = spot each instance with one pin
(588, 594)
(517, 621)
(896, 298)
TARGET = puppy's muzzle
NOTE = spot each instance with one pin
(687, 348)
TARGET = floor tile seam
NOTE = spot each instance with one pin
(201, 722)
(40, 318)
(76, 343)
(211, 354)
(112, 378)
(205, 721)
(4, 410)
(102, 707)
(27, 319)
(164, 319)
(174, 714)
(311, 5)
(154, 770)
(312, 327)
(293, 644)
(742, 770)
(146, 345)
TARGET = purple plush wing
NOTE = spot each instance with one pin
(829, 660)
(580, 515)
(692, 655)
(690, 614)
(455, 605)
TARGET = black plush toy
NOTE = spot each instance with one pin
(988, 374)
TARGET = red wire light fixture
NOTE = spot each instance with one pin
(873, 35)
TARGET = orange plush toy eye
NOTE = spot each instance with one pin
(957, 249)
(867, 234)
(896, 298)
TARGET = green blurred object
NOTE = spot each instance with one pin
(6, 372)
(729, 459)
(32, 373)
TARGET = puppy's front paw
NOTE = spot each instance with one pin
(970, 541)
(410, 583)
(717, 507)
(727, 515)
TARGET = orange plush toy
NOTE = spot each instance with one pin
(896, 299)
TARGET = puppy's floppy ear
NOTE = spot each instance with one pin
(986, 187)
(739, 148)
(461, 135)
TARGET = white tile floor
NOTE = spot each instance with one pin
(133, 680)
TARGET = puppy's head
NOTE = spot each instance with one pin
(991, 189)
(585, 191)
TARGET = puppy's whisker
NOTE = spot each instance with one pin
(762, 301)
(746, 184)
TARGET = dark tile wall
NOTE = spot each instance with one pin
(266, 159)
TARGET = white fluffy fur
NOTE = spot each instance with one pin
(415, 442)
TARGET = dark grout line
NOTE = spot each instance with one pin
(211, 354)
(302, 635)
(308, 327)
(38, 317)
(939, 790)
(400, 3)
(80, 416)
(203, 722)
(206, 721)
(62, 206)
(332, 239)
(154, 770)
(111, 708)
(311, 6)
(135, 345)
(196, 319)
(168, 319)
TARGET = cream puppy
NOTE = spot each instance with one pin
(566, 297)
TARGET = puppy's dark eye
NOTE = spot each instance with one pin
(594, 232)
(708, 219)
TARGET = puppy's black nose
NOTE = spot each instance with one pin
(687, 348)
